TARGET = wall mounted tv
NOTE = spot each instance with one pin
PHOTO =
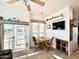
(58, 25)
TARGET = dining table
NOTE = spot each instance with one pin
(42, 42)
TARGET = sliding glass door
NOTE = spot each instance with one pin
(15, 38)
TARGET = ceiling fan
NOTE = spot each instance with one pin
(27, 3)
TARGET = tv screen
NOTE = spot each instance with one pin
(58, 25)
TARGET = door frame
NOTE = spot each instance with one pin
(2, 22)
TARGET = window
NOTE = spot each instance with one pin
(38, 29)
(41, 30)
(35, 29)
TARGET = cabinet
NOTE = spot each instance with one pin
(62, 45)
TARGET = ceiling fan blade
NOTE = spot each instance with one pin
(11, 1)
(28, 8)
(38, 2)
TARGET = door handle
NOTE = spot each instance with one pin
(13, 37)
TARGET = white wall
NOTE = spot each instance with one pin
(61, 34)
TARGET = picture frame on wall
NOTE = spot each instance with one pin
(49, 26)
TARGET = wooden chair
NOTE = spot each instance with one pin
(36, 43)
(49, 44)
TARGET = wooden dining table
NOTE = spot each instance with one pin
(43, 42)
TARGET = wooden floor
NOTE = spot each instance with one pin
(75, 55)
(52, 54)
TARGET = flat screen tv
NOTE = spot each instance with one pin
(58, 25)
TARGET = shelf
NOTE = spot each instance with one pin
(14, 22)
(62, 45)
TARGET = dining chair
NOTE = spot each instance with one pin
(49, 44)
(36, 43)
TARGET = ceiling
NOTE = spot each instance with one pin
(53, 6)
(50, 7)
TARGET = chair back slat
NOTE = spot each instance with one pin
(51, 40)
(34, 39)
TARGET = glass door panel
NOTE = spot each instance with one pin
(20, 39)
(8, 36)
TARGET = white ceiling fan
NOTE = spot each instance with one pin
(27, 3)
